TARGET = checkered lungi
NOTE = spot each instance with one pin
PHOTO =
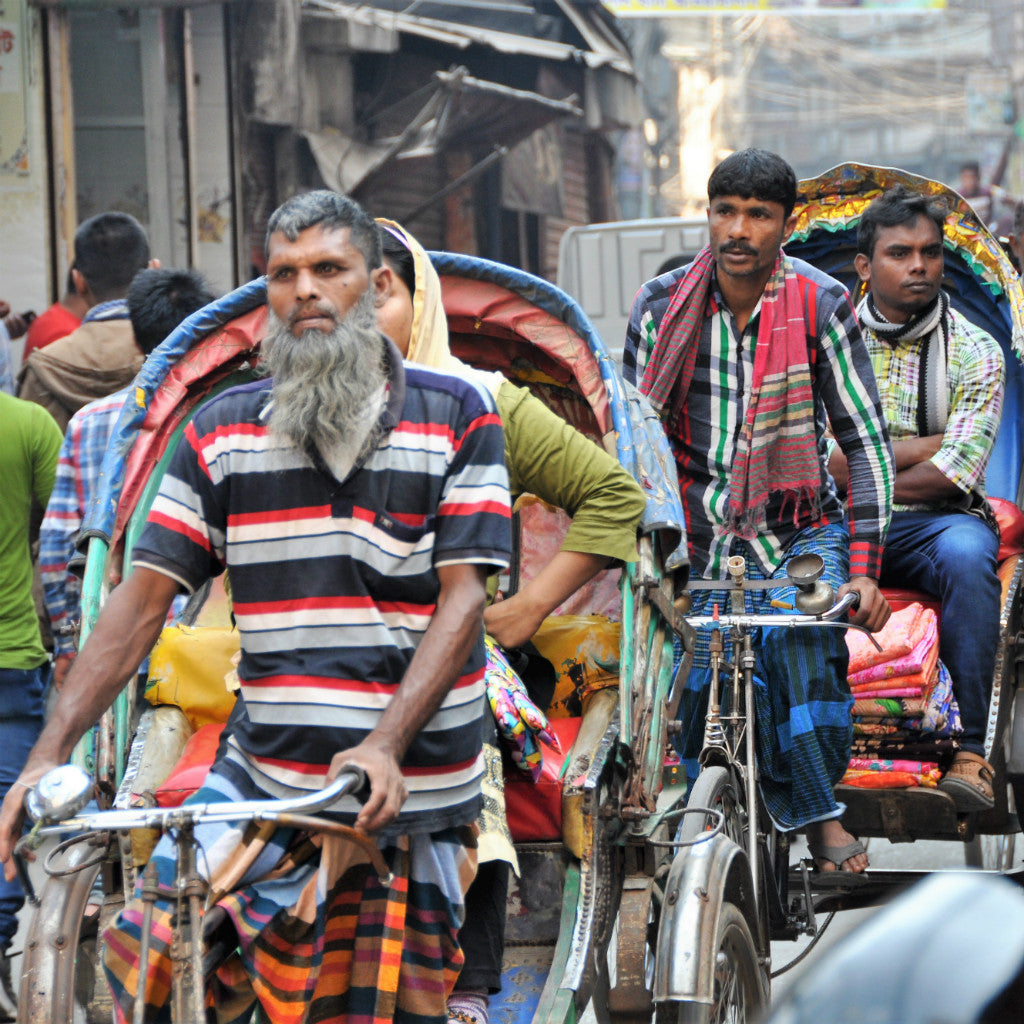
(801, 694)
(324, 941)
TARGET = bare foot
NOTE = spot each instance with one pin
(831, 833)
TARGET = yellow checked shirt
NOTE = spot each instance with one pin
(975, 377)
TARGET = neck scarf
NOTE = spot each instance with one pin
(917, 326)
(428, 344)
(931, 326)
(777, 449)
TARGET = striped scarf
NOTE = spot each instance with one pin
(776, 450)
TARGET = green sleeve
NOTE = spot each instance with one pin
(547, 457)
(46, 439)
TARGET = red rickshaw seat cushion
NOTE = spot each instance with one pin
(534, 809)
(190, 772)
(1011, 528)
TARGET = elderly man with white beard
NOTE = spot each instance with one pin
(358, 505)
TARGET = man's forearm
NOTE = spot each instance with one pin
(439, 659)
(914, 450)
(924, 482)
(128, 626)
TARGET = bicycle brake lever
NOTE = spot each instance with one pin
(21, 866)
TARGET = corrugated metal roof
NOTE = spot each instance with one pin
(583, 32)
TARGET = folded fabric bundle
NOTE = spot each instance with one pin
(892, 780)
(884, 708)
(922, 747)
(877, 764)
(902, 633)
(885, 727)
(941, 714)
(905, 719)
(918, 660)
(881, 687)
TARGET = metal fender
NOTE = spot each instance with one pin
(47, 991)
(701, 878)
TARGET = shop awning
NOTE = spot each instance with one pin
(460, 111)
(583, 33)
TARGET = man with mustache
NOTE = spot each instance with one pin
(748, 354)
(941, 382)
(359, 506)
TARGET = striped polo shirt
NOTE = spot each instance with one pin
(334, 582)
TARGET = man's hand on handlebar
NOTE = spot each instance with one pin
(387, 788)
(874, 610)
(12, 816)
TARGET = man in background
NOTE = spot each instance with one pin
(158, 300)
(101, 356)
(29, 442)
(63, 317)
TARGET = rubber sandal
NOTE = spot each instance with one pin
(837, 879)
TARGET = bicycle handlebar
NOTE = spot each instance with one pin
(350, 781)
(825, 618)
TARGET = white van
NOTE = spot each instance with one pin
(603, 265)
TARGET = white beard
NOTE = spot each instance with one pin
(324, 382)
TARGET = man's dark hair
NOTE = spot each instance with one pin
(971, 165)
(158, 300)
(1018, 218)
(899, 205)
(329, 210)
(399, 258)
(755, 174)
(110, 249)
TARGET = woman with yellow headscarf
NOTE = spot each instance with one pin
(545, 457)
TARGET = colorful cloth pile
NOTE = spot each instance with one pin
(905, 718)
(520, 722)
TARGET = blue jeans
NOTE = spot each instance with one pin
(953, 557)
(21, 721)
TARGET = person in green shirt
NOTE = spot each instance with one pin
(30, 441)
(546, 457)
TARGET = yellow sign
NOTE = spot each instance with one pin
(669, 8)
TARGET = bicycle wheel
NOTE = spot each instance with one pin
(716, 790)
(739, 995)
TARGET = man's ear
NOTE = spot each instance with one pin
(81, 285)
(863, 267)
(153, 264)
(382, 281)
(788, 228)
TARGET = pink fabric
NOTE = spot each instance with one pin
(908, 664)
(900, 636)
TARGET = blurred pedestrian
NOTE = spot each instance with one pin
(101, 356)
(29, 443)
(63, 317)
(158, 300)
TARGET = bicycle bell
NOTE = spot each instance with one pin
(813, 594)
(60, 794)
